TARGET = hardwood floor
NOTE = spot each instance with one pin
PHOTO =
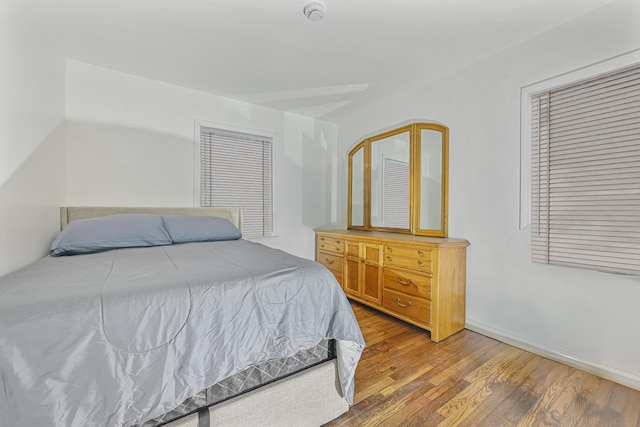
(405, 379)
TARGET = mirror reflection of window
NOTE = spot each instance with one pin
(395, 197)
(397, 206)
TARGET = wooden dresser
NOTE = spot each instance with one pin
(420, 280)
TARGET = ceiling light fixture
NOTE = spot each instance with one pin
(314, 10)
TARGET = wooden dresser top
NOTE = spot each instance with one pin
(395, 237)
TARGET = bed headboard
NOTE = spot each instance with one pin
(68, 214)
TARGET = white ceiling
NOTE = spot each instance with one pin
(266, 52)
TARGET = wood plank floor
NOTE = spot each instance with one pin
(405, 379)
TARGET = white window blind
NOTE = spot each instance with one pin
(395, 194)
(235, 170)
(585, 191)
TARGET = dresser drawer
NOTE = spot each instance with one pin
(418, 309)
(419, 264)
(408, 252)
(332, 262)
(409, 282)
(333, 246)
(331, 240)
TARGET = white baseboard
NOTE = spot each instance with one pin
(607, 372)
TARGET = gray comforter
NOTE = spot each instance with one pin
(119, 337)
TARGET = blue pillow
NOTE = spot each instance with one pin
(91, 235)
(185, 228)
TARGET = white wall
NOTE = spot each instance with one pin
(31, 136)
(588, 316)
(130, 141)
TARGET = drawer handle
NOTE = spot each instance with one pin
(420, 253)
(389, 258)
(338, 249)
(389, 249)
(322, 239)
(405, 282)
(421, 263)
(337, 242)
(408, 304)
(330, 261)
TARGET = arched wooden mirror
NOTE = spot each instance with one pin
(398, 181)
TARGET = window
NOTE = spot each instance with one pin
(585, 173)
(235, 170)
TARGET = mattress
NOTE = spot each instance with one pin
(121, 337)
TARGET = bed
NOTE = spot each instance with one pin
(158, 335)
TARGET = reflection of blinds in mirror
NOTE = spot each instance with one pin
(235, 170)
(395, 205)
